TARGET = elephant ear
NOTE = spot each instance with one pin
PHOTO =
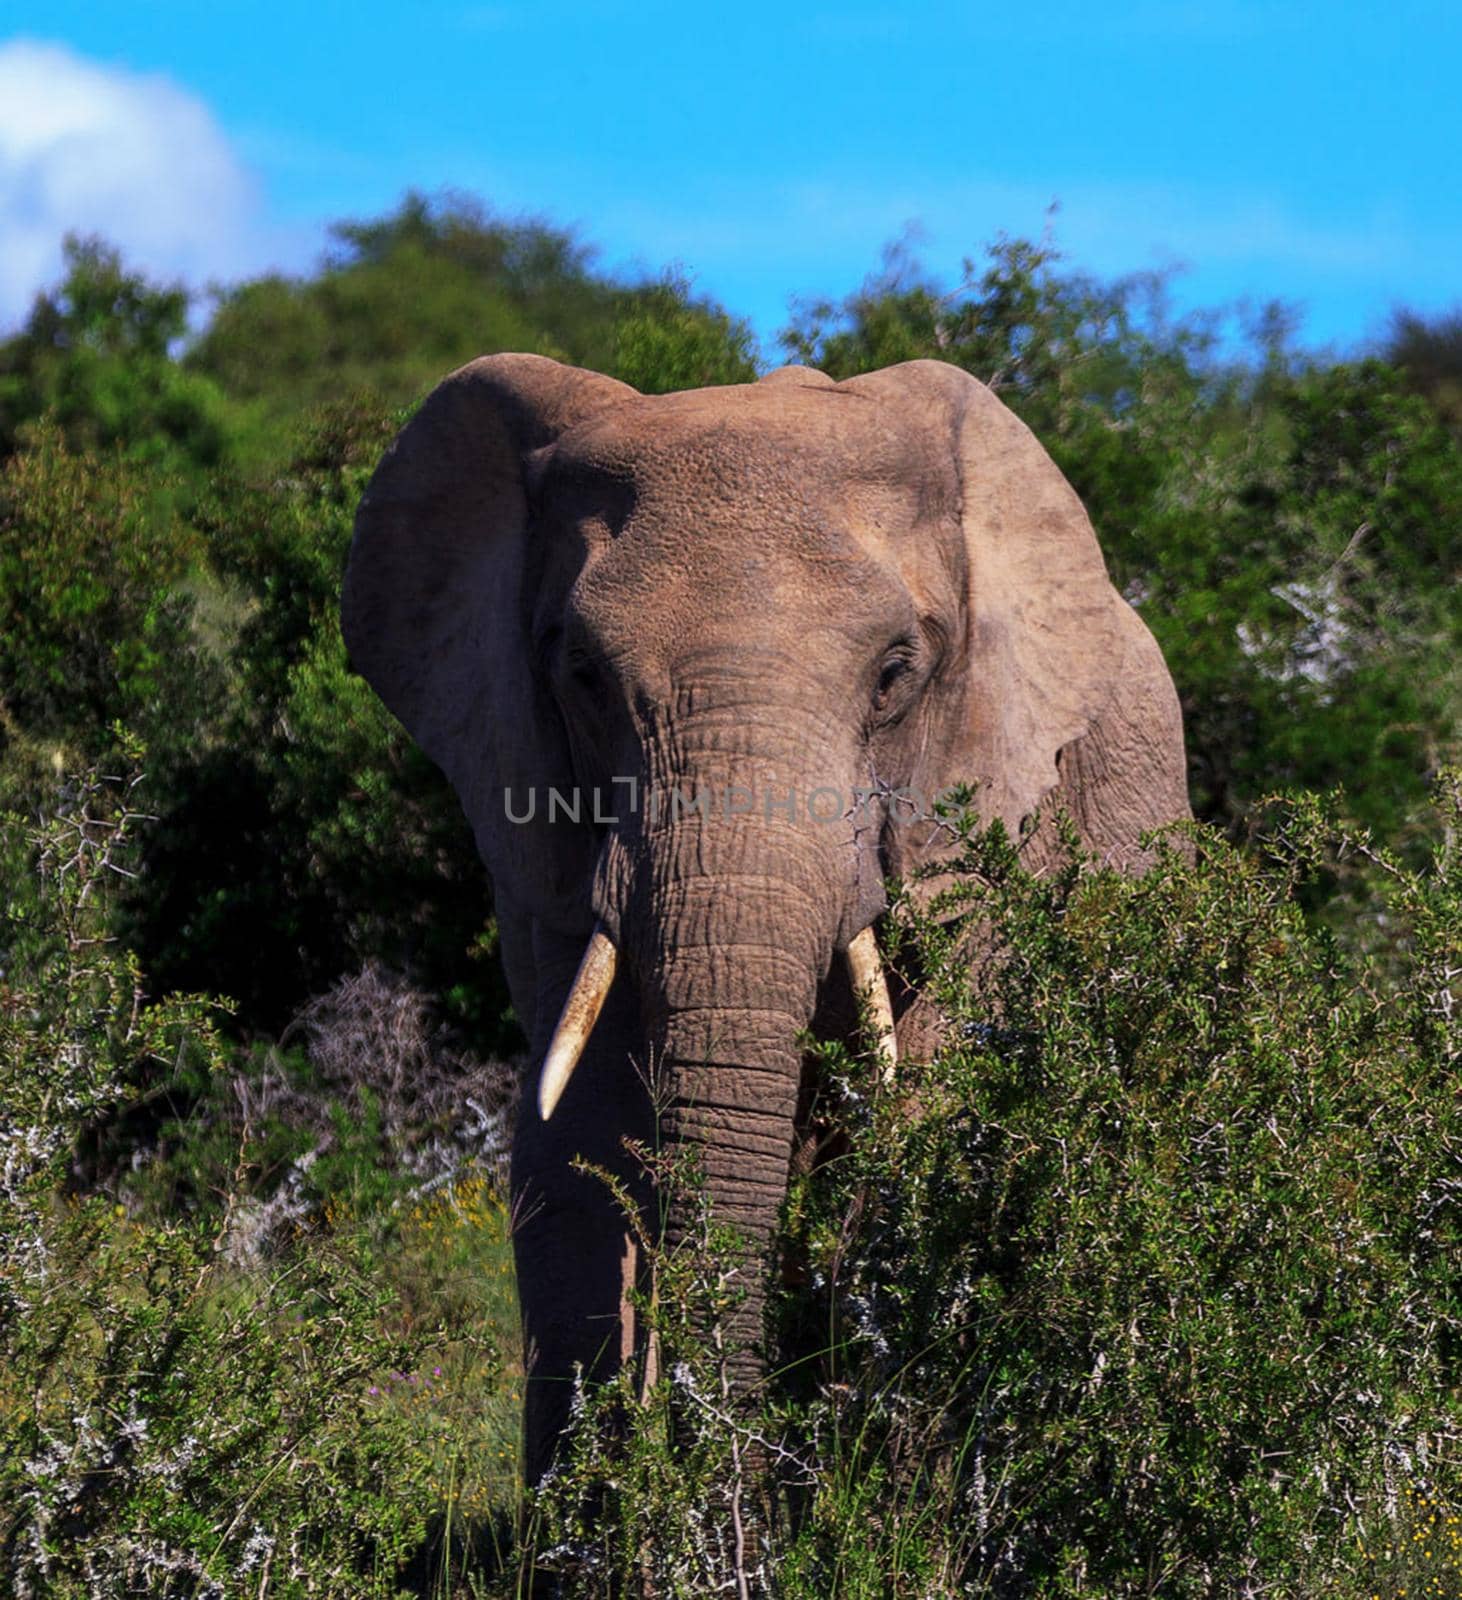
(1062, 694)
(437, 601)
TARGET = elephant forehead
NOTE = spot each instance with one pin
(747, 506)
(738, 446)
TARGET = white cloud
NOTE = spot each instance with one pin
(91, 148)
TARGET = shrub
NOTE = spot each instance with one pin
(167, 1426)
(364, 1104)
(1149, 1281)
(95, 615)
(1146, 1284)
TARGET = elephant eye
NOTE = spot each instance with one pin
(570, 664)
(584, 670)
(898, 664)
(892, 672)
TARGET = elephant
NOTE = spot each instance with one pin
(696, 665)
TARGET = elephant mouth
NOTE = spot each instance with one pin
(595, 978)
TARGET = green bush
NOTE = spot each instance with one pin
(1146, 1284)
(1154, 1278)
(308, 835)
(666, 340)
(172, 1420)
(95, 609)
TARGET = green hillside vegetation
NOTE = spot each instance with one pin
(403, 300)
(1150, 1289)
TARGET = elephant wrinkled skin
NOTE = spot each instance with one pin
(784, 616)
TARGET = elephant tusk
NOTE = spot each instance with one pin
(869, 984)
(576, 1022)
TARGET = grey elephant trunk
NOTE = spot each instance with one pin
(728, 978)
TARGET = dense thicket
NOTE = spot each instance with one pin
(175, 508)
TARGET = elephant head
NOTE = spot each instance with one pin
(696, 664)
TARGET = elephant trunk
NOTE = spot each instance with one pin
(743, 1150)
(728, 978)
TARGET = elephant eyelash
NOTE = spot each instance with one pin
(893, 669)
(914, 655)
(898, 663)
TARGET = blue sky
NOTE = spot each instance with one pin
(1308, 152)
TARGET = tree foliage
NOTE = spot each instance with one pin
(97, 354)
(343, 843)
(402, 300)
(95, 608)
(1429, 351)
